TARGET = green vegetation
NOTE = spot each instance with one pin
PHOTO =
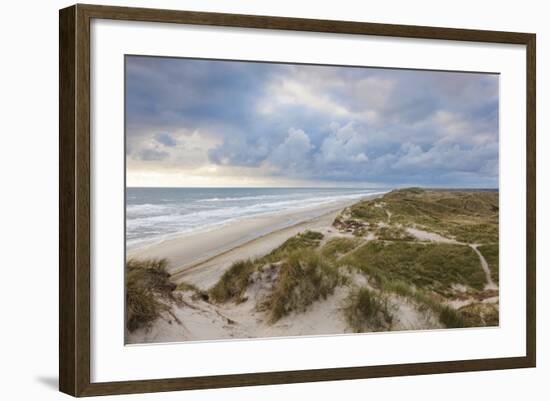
(451, 318)
(490, 252)
(467, 216)
(428, 274)
(306, 240)
(183, 286)
(366, 310)
(304, 277)
(233, 283)
(147, 282)
(480, 315)
(338, 246)
(368, 210)
(393, 233)
(433, 266)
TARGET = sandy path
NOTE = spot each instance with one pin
(485, 266)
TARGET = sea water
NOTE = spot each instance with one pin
(154, 214)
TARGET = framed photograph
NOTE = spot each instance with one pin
(250, 200)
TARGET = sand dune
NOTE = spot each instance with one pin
(198, 261)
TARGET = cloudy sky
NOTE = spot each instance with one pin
(224, 123)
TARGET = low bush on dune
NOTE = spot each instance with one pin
(304, 277)
(480, 314)
(147, 283)
(233, 282)
(366, 310)
(451, 318)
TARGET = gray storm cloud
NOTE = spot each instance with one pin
(319, 123)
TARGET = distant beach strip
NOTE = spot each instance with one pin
(157, 214)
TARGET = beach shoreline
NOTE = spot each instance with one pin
(201, 258)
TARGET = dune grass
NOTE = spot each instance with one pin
(304, 277)
(434, 266)
(426, 300)
(368, 210)
(467, 216)
(490, 252)
(305, 240)
(480, 315)
(451, 318)
(366, 310)
(147, 283)
(393, 233)
(338, 246)
(233, 282)
(396, 264)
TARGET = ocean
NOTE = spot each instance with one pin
(155, 214)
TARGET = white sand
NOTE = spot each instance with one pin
(196, 320)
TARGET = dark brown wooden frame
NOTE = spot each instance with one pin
(74, 199)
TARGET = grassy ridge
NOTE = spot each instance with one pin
(467, 216)
(433, 266)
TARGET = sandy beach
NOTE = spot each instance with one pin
(201, 258)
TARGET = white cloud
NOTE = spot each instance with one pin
(444, 156)
(293, 152)
(343, 144)
(286, 91)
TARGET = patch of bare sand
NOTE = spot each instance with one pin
(428, 236)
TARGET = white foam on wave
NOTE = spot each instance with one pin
(152, 222)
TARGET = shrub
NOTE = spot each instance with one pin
(451, 318)
(147, 282)
(304, 277)
(233, 282)
(366, 310)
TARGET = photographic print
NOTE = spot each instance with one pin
(277, 200)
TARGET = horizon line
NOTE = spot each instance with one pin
(319, 187)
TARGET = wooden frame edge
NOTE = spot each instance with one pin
(74, 199)
(67, 132)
